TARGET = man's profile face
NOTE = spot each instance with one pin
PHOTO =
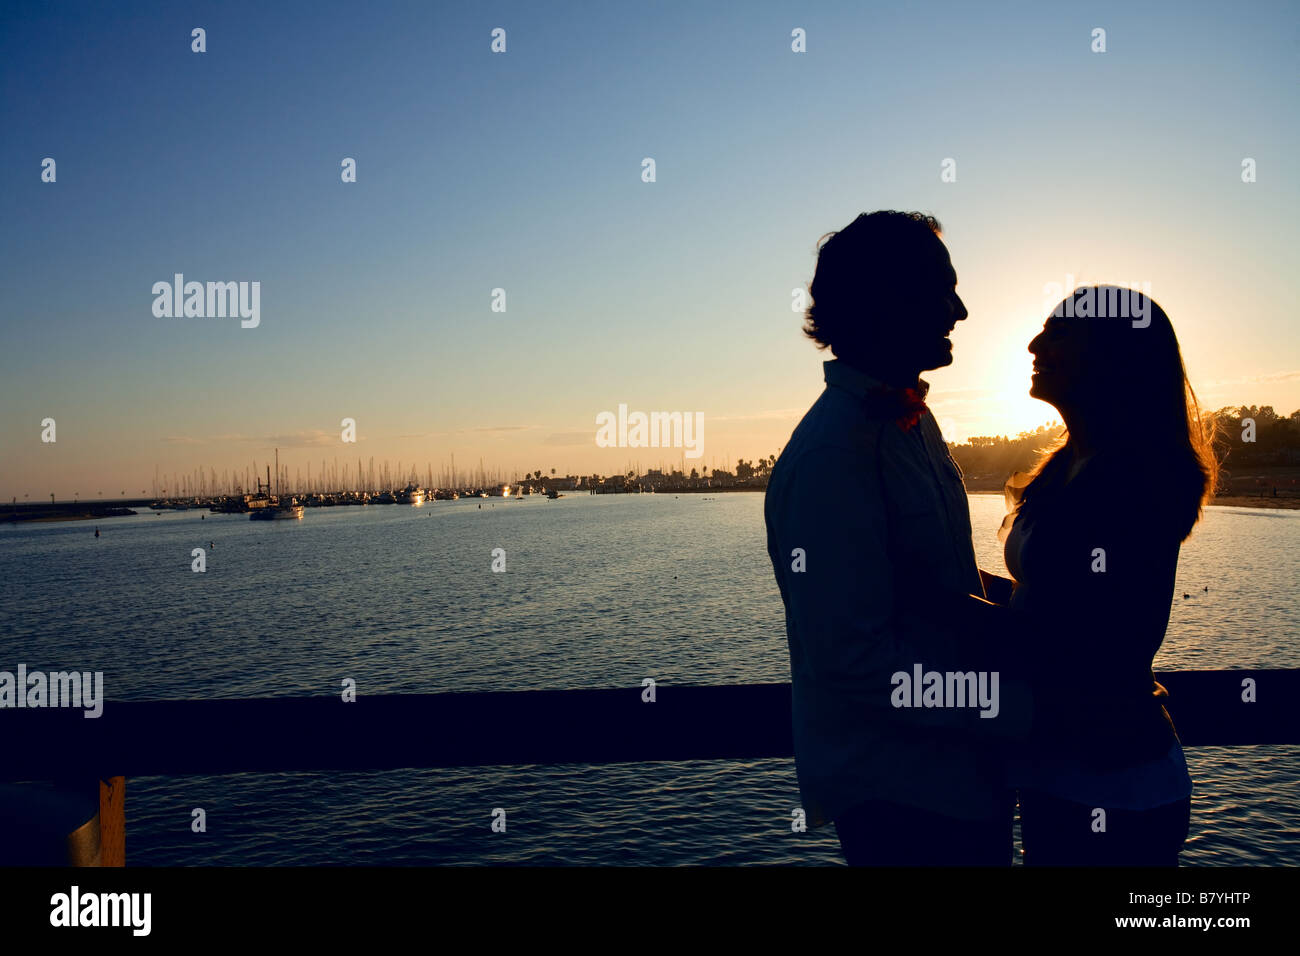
(915, 307)
(931, 309)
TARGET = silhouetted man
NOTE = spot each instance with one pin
(868, 531)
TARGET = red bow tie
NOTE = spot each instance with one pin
(904, 406)
(914, 406)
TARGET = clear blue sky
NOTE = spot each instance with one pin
(522, 171)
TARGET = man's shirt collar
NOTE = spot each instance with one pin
(858, 382)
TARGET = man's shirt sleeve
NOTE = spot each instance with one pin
(848, 635)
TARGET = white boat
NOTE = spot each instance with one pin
(411, 495)
(274, 507)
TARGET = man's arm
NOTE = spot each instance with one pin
(832, 549)
(997, 588)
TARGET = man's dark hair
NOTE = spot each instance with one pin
(863, 269)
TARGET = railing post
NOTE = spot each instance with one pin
(112, 821)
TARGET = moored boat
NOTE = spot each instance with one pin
(411, 495)
(270, 507)
(277, 510)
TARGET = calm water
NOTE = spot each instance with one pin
(599, 592)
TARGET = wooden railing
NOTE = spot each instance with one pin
(386, 732)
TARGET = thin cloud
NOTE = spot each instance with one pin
(569, 438)
(1268, 378)
(776, 414)
(304, 439)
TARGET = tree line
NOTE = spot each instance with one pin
(1248, 436)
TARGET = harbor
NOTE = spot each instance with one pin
(277, 496)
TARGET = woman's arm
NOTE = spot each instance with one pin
(994, 637)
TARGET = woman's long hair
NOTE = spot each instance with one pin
(1142, 381)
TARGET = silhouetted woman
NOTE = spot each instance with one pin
(1092, 542)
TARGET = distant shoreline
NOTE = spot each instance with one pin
(1255, 501)
(1223, 501)
(43, 514)
(28, 514)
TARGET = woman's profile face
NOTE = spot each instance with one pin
(1059, 360)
